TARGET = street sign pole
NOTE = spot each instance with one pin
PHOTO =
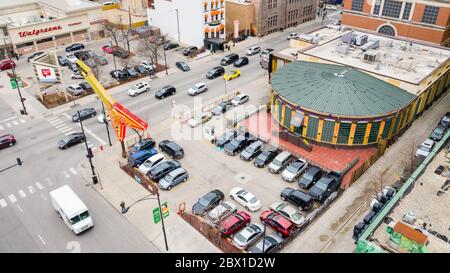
(162, 221)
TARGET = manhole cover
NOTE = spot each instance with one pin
(242, 178)
(50, 158)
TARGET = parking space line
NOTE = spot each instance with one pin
(21, 210)
(31, 189)
(72, 170)
(66, 174)
(3, 203)
(39, 185)
(42, 240)
(15, 122)
(68, 133)
(12, 198)
(22, 193)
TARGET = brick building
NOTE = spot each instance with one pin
(424, 20)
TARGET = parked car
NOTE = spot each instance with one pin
(7, 64)
(294, 170)
(70, 140)
(221, 108)
(75, 89)
(82, 55)
(73, 67)
(279, 162)
(280, 224)
(172, 149)
(173, 178)
(91, 63)
(221, 212)
(229, 59)
(253, 50)
(131, 72)
(197, 89)
(358, 230)
(71, 58)
(144, 144)
(237, 144)
(207, 202)
(247, 236)
(182, 66)
(231, 75)
(233, 223)
(118, 75)
(241, 62)
(136, 159)
(159, 171)
(77, 76)
(445, 120)
(289, 213)
(369, 217)
(425, 148)
(7, 140)
(107, 49)
(150, 162)
(199, 119)
(101, 118)
(123, 54)
(85, 86)
(252, 151)
(240, 99)
(84, 114)
(267, 51)
(62, 61)
(298, 198)
(139, 88)
(245, 198)
(215, 72)
(310, 177)
(170, 46)
(271, 243)
(34, 55)
(165, 92)
(292, 35)
(325, 186)
(189, 50)
(148, 65)
(226, 137)
(74, 47)
(101, 60)
(141, 69)
(438, 133)
(264, 158)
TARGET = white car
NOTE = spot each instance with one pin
(292, 35)
(248, 235)
(75, 89)
(71, 58)
(77, 76)
(199, 119)
(240, 99)
(138, 88)
(294, 170)
(101, 118)
(288, 212)
(425, 148)
(151, 162)
(221, 212)
(253, 50)
(245, 198)
(197, 89)
(148, 65)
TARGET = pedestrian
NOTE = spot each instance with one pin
(17, 56)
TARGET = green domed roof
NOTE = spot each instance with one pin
(337, 90)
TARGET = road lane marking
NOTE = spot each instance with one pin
(1, 127)
(6, 119)
(31, 189)
(60, 125)
(22, 193)
(21, 210)
(42, 240)
(94, 135)
(12, 198)
(3, 203)
(21, 120)
(56, 122)
(67, 116)
(43, 197)
(15, 122)
(68, 133)
(72, 170)
(8, 125)
(66, 174)
(65, 130)
(39, 185)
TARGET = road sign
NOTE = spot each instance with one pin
(14, 82)
(156, 215)
(165, 210)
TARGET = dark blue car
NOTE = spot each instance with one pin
(137, 158)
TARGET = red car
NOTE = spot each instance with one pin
(7, 141)
(107, 49)
(234, 223)
(283, 226)
(7, 64)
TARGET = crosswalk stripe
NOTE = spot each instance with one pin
(39, 185)
(31, 189)
(21, 120)
(3, 203)
(12, 198)
(66, 174)
(22, 193)
(1, 127)
(52, 119)
(56, 121)
(68, 133)
(15, 122)
(72, 170)
(64, 130)
(8, 125)
(60, 125)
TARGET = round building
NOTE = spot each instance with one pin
(334, 104)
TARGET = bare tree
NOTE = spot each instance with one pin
(380, 181)
(149, 48)
(112, 30)
(126, 31)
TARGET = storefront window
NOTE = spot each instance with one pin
(313, 124)
(360, 132)
(374, 131)
(344, 132)
(327, 130)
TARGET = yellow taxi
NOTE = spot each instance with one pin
(232, 74)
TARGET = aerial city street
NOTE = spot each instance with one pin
(224, 126)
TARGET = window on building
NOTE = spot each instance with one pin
(406, 11)
(430, 15)
(313, 124)
(44, 40)
(327, 131)
(344, 132)
(287, 117)
(392, 8)
(272, 4)
(376, 8)
(360, 131)
(357, 5)
(374, 131)
(387, 127)
(387, 30)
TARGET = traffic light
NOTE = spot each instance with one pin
(89, 154)
(19, 162)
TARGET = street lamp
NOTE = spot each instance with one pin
(19, 162)
(264, 237)
(114, 57)
(89, 150)
(125, 210)
(164, 50)
(105, 120)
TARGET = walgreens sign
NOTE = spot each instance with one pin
(38, 31)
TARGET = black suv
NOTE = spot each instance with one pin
(170, 46)
(311, 176)
(145, 144)
(82, 55)
(241, 62)
(238, 144)
(207, 202)
(159, 171)
(171, 148)
(226, 138)
(265, 158)
(189, 50)
(229, 59)
(84, 114)
(74, 47)
(85, 86)
(165, 92)
(325, 186)
(215, 72)
(121, 53)
(300, 199)
(131, 72)
(118, 75)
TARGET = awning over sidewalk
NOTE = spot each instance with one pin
(214, 43)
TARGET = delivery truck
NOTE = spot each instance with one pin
(71, 209)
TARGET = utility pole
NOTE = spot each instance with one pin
(89, 151)
(114, 57)
(105, 119)
(178, 26)
(24, 110)
(162, 221)
(164, 50)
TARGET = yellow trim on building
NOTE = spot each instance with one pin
(305, 125)
(422, 102)
(367, 133)
(274, 64)
(319, 130)
(109, 7)
(394, 82)
(313, 59)
(380, 131)
(336, 132)
(283, 112)
(352, 134)
(413, 108)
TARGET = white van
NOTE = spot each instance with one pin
(71, 209)
(151, 162)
